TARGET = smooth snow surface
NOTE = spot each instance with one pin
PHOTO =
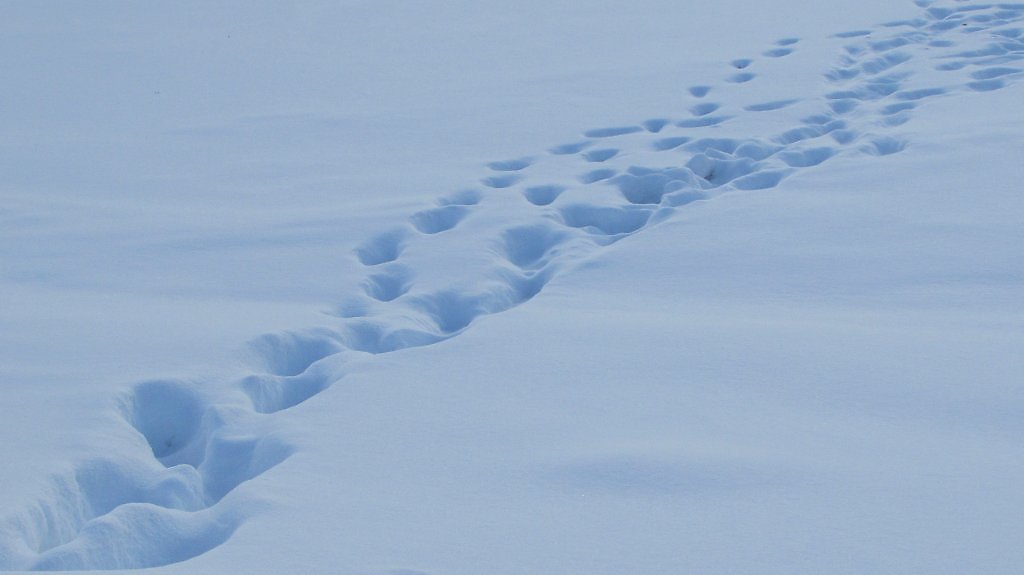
(760, 314)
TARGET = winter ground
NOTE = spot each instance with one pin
(543, 288)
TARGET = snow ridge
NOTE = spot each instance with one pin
(207, 439)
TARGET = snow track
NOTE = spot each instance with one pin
(207, 439)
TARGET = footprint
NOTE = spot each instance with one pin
(741, 78)
(741, 63)
(699, 91)
(719, 145)
(566, 149)
(670, 143)
(529, 246)
(842, 74)
(704, 109)
(389, 284)
(912, 95)
(885, 62)
(291, 353)
(511, 165)
(233, 458)
(503, 181)
(441, 219)
(463, 198)
(601, 155)
(612, 132)
(844, 106)
(453, 310)
(806, 158)
(787, 41)
(719, 169)
(769, 106)
(759, 180)
(648, 186)
(890, 44)
(271, 394)
(167, 413)
(604, 220)
(654, 126)
(702, 122)
(382, 248)
(778, 52)
(597, 176)
(892, 109)
(884, 146)
(369, 336)
(543, 195)
(853, 34)
(912, 23)
(756, 150)
(986, 85)
(844, 137)
(995, 72)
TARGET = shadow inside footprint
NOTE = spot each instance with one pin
(884, 146)
(543, 195)
(291, 353)
(503, 181)
(390, 284)
(612, 132)
(699, 91)
(511, 165)
(528, 246)
(437, 220)
(382, 248)
(604, 220)
(167, 413)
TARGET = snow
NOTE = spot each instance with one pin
(479, 287)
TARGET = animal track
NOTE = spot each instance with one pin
(198, 442)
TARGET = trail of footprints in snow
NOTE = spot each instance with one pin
(207, 440)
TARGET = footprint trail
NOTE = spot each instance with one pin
(527, 221)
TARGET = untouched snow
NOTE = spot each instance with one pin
(542, 288)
